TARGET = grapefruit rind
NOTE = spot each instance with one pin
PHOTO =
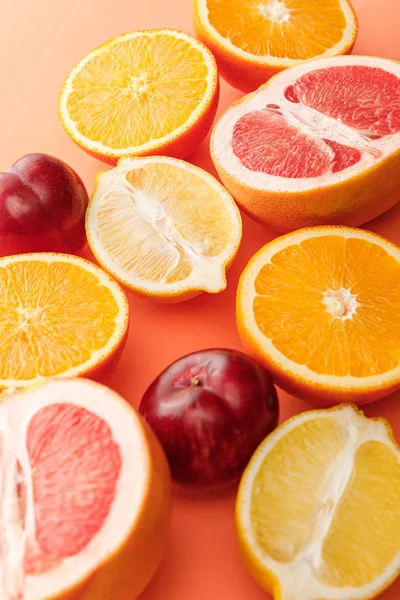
(276, 577)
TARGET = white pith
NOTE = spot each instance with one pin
(121, 320)
(247, 294)
(15, 415)
(275, 10)
(341, 304)
(152, 144)
(278, 12)
(298, 580)
(208, 273)
(306, 120)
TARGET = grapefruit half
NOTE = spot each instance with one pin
(85, 495)
(319, 144)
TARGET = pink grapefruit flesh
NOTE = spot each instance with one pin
(309, 143)
(70, 447)
(290, 141)
(75, 481)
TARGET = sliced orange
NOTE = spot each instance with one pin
(141, 93)
(253, 40)
(321, 309)
(59, 315)
(163, 227)
(318, 507)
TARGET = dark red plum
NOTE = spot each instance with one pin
(210, 410)
(43, 203)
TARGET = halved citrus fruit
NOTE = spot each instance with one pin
(321, 309)
(253, 40)
(85, 494)
(59, 315)
(163, 227)
(319, 144)
(142, 93)
(318, 507)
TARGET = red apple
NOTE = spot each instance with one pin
(42, 207)
(210, 410)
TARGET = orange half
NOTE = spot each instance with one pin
(253, 40)
(321, 308)
(59, 315)
(141, 93)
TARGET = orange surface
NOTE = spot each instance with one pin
(39, 43)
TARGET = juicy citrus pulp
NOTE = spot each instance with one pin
(85, 494)
(139, 93)
(364, 117)
(320, 307)
(163, 227)
(59, 314)
(253, 40)
(317, 510)
(286, 29)
(317, 144)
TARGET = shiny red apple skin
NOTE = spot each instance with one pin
(43, 203)
(210, 410)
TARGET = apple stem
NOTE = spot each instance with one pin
(195, 381)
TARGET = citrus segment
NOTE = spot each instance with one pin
(85, 494)
(321, 308)
(316, 145)
(253, 40)
(365, 98)
(163, 227)
(59, 314)
(141, 92)
(317, 509)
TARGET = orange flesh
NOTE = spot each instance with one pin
(53, 316)
(291, 295)
(157, 221)
(151, 84)
(297, 29)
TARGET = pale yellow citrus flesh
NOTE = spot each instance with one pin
(151, 84)
(372, 498)
(296, 29)
(291, 291)
(321, 507)
(284, 500)
(161, 223)
(54, 316)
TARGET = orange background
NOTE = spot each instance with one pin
(40, 40)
